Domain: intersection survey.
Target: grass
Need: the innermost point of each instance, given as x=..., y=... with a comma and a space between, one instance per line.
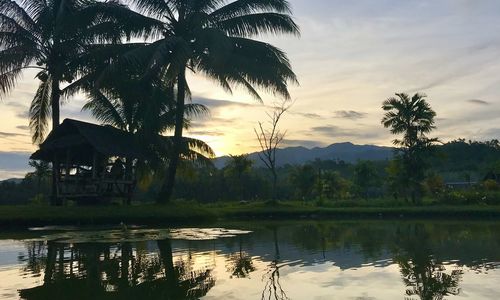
x=191, y=213
x=97, y=215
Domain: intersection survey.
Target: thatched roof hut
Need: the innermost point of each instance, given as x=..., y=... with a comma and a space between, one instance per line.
x=83, y=140
x=83, y=155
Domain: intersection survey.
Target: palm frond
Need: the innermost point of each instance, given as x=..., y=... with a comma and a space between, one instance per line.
x=244, y=7
x=259, y=24
x=104, y=110
x=39, y=111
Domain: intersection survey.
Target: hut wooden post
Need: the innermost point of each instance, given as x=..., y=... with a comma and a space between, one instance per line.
x=68, y=163
x=55, y=180
x=67, y=169
x=94, y=165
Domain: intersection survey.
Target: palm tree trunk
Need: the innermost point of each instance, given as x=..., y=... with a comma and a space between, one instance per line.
x=165, y=249
x=56, y=95
x=168, y=186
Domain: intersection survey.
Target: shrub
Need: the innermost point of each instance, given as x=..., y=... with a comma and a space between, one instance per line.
x=490, y=185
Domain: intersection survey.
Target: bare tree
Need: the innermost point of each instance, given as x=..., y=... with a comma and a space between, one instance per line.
x=270, y=138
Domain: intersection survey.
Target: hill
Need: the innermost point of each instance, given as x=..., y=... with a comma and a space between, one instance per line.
x=347, y=152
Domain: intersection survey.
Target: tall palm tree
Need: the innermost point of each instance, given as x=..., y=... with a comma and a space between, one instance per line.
x=414, y=118
x=49, y=36
x=214, y=38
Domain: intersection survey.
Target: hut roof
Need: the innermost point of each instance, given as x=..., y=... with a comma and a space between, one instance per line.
x=83, y=137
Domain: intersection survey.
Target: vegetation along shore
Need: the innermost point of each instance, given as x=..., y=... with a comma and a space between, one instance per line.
x=189, y=214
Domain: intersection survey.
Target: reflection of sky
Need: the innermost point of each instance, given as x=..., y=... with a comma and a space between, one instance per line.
x=350, y=57
x=302, y=275
x=12, y=277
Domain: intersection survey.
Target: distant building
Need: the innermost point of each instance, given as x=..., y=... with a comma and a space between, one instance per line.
x=463, y=185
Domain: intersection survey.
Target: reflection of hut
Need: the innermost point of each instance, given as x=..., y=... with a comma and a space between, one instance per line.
x=94, y=161
x=108, y=271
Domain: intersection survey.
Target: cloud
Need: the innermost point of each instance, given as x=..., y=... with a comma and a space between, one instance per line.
x=306, y=115
x=215, y=103
x=349, y=114
x=211, y=122
x=206, y=132
x=478, y=101
x=304, y=143
x=491, y=133
x=336, y=131
x=10, y=134
x=16, y=105
x=25, y=114
x=23, y=127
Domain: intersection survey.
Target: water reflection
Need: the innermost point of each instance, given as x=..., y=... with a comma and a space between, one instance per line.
x=104, y=271
x=425, y=276
x=271, y=277
x=240, y=263
x=277, y=261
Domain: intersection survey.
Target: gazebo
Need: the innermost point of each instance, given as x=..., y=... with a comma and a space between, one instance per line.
x=94, y=162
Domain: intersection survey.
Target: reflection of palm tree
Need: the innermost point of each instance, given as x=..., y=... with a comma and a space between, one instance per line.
x=273, y=288
x=427, y=279
x=194, y=285
x=105, y=271
x=241, y=263
x=423, y=275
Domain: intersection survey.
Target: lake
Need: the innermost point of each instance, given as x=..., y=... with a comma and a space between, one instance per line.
x=258, y=260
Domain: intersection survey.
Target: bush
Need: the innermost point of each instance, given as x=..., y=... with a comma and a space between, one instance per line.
x=490, y=185
x=39, y=199
x=469, y=197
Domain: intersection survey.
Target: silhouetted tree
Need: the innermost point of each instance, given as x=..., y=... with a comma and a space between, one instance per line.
x=414, y=118
x=213, y=38
x=237, y=166
x=365, y=176
x=270, y=138
x=50, y=37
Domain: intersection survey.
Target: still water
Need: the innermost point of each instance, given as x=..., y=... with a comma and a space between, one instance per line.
x=295, y=260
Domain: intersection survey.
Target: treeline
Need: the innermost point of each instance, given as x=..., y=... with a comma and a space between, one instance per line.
x=458, y=161
x=319, y=181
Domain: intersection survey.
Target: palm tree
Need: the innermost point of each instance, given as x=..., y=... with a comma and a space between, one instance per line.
x=213, y=38
x=235, y=168
x=414, y=118
x=49, y=36
x=40, y=175
x=146, y=108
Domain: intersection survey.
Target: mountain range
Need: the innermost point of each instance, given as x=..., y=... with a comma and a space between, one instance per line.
x=347, y=152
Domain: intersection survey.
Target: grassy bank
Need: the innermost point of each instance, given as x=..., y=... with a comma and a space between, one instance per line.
x=98, y=215
x=191, y=214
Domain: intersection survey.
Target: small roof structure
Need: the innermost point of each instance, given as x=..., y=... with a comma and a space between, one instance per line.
x=83, y=138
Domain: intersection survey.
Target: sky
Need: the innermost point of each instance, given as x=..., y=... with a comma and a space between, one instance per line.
x=350, y=57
